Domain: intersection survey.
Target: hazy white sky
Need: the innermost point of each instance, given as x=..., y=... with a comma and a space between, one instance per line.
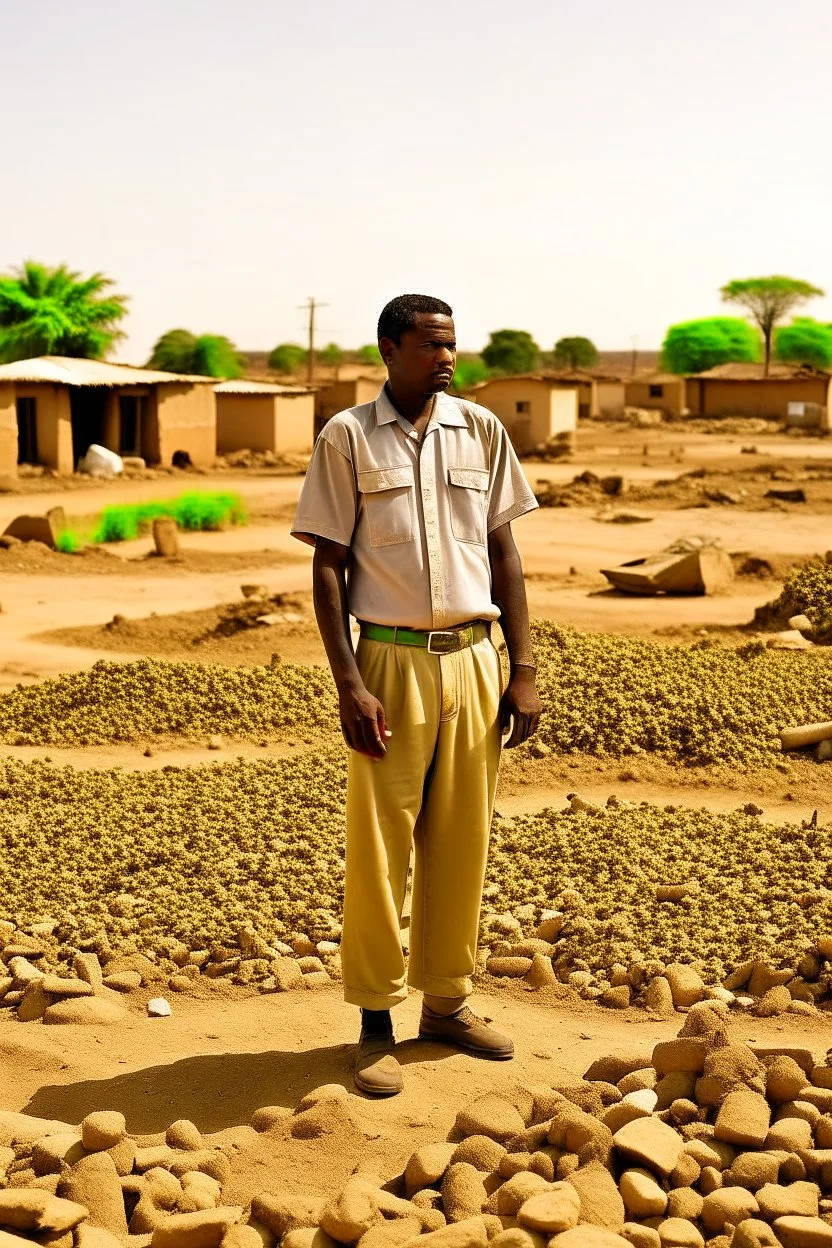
x=553, y=165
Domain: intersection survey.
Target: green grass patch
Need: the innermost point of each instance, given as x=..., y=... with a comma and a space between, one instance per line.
x=196, y=510
x=67, y=542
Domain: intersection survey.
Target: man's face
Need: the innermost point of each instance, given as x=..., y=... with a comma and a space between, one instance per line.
x=425, y=359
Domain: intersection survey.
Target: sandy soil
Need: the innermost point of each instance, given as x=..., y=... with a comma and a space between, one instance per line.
x=217, y=1060
x=226, y=1052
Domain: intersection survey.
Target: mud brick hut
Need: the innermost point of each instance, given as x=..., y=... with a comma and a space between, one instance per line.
x=744, y=390
x=657, y=392
x=53, y=408
x=258, y=416
x=340, y=395
x=533, y=409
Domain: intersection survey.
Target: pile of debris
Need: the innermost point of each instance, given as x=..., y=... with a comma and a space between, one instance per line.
x=703, y=1141
x=583, y=490
x=802, y=613
x=691, y=565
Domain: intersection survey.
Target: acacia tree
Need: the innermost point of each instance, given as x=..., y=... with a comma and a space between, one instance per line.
x=805, y=341
x=694, y=346
x=511, y=351
x=287, y=357
x=769, y=299
x=575, y=353
x=209, y=355
x=46, y=311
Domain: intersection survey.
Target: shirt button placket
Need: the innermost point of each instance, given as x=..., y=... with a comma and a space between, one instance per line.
x=431, y=515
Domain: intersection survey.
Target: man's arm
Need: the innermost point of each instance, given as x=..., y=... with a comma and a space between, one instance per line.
x=520, y=702
x=362, y=716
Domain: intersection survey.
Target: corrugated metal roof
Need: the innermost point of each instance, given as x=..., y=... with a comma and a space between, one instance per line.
x=62, y=370
x=242, y=386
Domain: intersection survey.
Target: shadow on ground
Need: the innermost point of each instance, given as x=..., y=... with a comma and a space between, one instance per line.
x=213, y=1090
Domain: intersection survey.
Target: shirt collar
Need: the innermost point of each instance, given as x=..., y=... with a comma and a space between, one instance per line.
x=446, y=412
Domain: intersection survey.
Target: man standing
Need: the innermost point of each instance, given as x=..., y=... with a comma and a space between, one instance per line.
x=409, y=502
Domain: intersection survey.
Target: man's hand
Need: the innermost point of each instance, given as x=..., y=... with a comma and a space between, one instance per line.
x=362, y=721
x=520, y=706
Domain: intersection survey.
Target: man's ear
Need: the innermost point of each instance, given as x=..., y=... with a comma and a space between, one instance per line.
x=386, y=348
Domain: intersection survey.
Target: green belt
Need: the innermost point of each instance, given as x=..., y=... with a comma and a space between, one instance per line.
x=437, y=641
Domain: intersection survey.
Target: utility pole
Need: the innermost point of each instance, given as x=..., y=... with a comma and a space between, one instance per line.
x=310, y=306
x=634, y=355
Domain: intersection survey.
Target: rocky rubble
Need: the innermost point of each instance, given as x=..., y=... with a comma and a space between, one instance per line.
x=603, y=695
x=704, y=1141
x=188, y=878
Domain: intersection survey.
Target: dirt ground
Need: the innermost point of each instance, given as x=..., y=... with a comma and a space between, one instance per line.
x=217, y=1060
x=223, y=1054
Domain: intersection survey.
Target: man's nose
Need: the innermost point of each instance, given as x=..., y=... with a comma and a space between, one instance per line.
x=446, y=355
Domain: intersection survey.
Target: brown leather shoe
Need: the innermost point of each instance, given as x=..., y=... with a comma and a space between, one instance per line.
x=466, y=1032
x=377, y=1073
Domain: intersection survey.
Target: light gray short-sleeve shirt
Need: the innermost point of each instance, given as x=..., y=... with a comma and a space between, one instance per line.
x=416, y=516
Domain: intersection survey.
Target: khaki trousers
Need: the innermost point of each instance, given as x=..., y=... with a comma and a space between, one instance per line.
x=434, y=790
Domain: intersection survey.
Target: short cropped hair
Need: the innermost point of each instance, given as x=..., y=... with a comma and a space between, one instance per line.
x=400, y=314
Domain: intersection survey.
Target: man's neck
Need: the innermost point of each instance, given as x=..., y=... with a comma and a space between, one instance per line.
x=416, y=408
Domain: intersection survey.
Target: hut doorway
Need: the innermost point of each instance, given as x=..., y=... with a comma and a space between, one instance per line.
x=87, y=408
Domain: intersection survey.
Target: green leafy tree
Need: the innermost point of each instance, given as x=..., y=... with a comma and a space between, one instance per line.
x=694, y=346
x=574, y=353
x=370, y=354
x=769, y=299
x=210, y=355
x=287, y=357
x=174, y=352
x=216, y=356
x=511, y=351
x=469, y=373
x=804, y=342
x=331, y=355
x=46, y=311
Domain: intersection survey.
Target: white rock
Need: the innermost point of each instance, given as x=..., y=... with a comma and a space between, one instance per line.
x=158, y=1007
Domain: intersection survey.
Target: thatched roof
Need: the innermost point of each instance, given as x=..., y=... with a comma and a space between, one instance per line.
x=574, y=377
x=61, y=370
x=242, y=386
x=648, y=377
x=755, y=372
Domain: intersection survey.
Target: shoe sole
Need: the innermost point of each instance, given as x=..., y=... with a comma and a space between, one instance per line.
x=370, y=1089
x=494, y=1055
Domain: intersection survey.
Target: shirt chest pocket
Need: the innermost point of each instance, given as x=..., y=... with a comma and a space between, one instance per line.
x=389, y=505
x=468, y=492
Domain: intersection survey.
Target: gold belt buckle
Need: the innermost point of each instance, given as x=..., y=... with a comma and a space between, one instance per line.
x=450, y=641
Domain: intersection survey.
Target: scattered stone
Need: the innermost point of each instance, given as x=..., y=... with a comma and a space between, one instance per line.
x=102, y=1130
x=800, y=1232
x=728, y=1205
x=88, y=1011
x=490, y=1115
x=551, y=1211
x=159, y=1007
x=643, y=1197
x=686, y=985
x=650, y=1142
x=743, y=1118
x=94, y=1183
x=203, y=1229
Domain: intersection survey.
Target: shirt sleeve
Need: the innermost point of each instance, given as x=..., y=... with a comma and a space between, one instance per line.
x=510, y=494
x=328, y=503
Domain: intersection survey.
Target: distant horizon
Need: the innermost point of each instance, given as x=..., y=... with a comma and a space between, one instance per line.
x=568, y=170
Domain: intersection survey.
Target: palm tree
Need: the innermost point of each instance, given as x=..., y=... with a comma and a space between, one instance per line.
x=56, y=311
